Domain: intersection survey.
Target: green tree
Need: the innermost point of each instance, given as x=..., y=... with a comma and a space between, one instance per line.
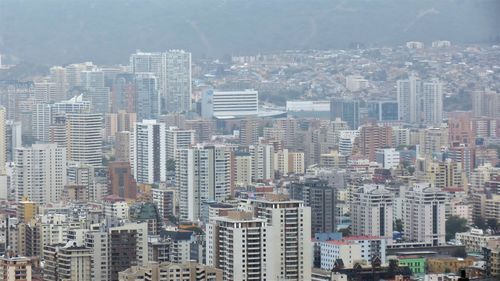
x=345, y=231
x=398, y=225
x=455, y=224
x=480, y=223
x=492, y=223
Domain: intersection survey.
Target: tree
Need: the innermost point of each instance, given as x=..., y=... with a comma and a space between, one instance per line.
x=455, y=224
x=480, y=223
x=345, y=231
x=492, y=223
x=398, y=225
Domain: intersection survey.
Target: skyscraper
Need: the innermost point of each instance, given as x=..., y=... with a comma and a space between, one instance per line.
x=203, y=173
x=177, y=81
x=40, y=173
x=84, y=138
x=149, y=152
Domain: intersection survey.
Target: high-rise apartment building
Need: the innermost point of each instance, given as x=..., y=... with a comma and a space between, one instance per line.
x=420, y=102
x=84, y=138
x=178, y=139
x=424, y=214
x=128, y=247
x=374, y=137
x=121, y=181
x=203, y=173
x=238, y=245
x=147, y=98
x=372, y=211
x=320, y=197
x=3, y=139
x=98, y=243
x=40, y=173
x=15, y=268
x=178, y=88
x=67, y=262
x=149, y=152
x=40, y=121
x=289, y=255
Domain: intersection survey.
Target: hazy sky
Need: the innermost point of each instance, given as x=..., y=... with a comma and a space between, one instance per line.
x=107, y=31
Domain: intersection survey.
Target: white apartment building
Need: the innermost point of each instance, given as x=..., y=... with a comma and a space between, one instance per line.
x=387, y=157
x=203, y=174
x=475, y=240
x=149, y=152
x=238, y=245
x=98, y=243
x=84, y=138
x=39, y=172
x=424, y=214
x=372, y=211
x=289, y=256
x=333, y=250
x=177, y=139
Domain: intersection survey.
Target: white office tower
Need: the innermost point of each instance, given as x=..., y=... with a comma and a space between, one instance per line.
x=147, y=62
x=372, y=211
x=432, y=102
x=177, y=83
x=230, y=104
x=58, y=77
x=203, y=173
x=149, y=152
x=387, y=157
x=237, y=244
x=262, y=161
x=40, y=121
x=84, y=138
x=3, y=138
x=289, y=251
x=45, y=92
x=40, y=172
x=178, y=139
x=98, y=243
x=424, y=214
x=408, y=96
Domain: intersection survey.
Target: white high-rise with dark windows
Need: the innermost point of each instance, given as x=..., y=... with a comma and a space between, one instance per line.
x=203, y=174
x=149, y=152
x=84, y=138
x=177, y=82
x=39, y=173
